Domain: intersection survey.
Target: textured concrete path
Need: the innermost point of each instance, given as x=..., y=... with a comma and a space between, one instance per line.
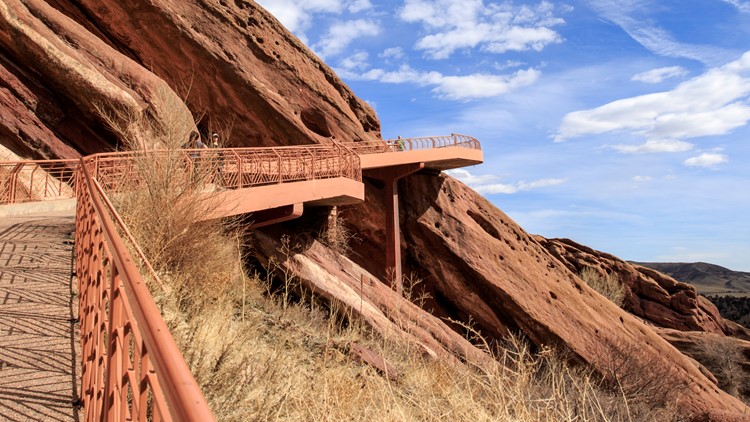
x=39, y=369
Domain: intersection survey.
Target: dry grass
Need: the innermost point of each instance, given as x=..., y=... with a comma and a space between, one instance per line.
x=262, y=356
x=608, y=286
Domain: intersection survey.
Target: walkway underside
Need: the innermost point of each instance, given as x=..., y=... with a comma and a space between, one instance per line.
x=280, y=200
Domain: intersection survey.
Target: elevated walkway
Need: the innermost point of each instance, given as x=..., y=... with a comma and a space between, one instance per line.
x=131, y=367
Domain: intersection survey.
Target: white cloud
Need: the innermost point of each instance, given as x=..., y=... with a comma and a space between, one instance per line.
x=743, y=6
x=340, y=34
x=706, y=160
x=495, y=27
x=394, y=53
x=711, y=104
x=359, y=5
x=633, y=17
x=487, y=183
x=509, y=64
x=642, y=179
x=656, y=76
x=655, y=145
x=297, y=15
x=477, y=85
x=357, y=61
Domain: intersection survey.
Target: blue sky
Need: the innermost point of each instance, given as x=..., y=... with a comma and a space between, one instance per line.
x=620, y=124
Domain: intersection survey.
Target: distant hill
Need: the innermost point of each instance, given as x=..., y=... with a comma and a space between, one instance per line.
x=708, y=279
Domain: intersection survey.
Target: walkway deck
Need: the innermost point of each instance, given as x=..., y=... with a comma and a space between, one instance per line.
x=39, y=373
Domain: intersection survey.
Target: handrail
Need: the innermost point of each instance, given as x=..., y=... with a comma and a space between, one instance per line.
x=411, y=144
x=143, y=380
x=131, y=366
x=37, y=180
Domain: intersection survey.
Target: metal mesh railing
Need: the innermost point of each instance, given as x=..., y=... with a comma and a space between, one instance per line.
x=26, y=181
x=412, y=144
x=131, y=366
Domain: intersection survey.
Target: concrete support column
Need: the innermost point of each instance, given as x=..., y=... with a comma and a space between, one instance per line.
x=390, y=176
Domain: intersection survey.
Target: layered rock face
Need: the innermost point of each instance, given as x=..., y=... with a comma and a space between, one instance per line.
x=252, y=81
x=480, y=266
x=651, y=295
x=238, y=70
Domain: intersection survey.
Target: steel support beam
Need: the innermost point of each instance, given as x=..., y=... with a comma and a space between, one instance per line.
x=390, y=176
x=275, y=215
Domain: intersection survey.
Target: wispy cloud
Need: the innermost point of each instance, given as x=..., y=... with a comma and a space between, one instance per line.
x=743, y=6
x=494, y=27
x=633, y=16
x=711, y=104
x=341, y=34
x=464, y=87
x=297, y=16
x=656, y=76
x=706, y=160
x=488, y=184
x=654, y=145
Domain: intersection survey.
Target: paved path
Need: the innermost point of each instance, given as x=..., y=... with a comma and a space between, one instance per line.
x=39, y=369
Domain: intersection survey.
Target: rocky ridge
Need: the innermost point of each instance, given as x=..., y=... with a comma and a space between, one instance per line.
x=239, y=70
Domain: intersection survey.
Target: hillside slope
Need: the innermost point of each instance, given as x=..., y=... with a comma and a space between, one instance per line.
x=708, y=279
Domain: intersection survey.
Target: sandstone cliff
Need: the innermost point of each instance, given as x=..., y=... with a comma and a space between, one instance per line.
x=245, y=76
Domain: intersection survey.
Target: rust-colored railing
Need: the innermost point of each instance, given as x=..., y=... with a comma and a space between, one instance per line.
x=131, y=366
x=233, y=168
x=25, y=181
x=411, y=144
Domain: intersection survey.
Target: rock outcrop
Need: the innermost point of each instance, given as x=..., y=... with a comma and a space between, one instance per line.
x=651, y=295
x=58, y=80
x=480, y=266
x=238, y=68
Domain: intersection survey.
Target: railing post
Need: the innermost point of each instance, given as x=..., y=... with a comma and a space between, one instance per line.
x=240, y=168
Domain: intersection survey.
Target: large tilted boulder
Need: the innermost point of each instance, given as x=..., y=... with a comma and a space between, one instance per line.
x=480, y=266
x=237, y=67
x=59, y=81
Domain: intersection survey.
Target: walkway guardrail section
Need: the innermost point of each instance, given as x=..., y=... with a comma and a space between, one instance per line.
x=131, y=366
x=26, y=181
x=412, y=144
x=234, y=168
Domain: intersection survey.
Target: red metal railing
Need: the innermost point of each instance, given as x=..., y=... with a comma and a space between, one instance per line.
x=411, y=144
x=233, y=168
x=25, y=181
x=132, y=368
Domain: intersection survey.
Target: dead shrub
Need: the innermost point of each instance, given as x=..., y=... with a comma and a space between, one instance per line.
x=647, y=382
x=336, y=234
x=608, y=286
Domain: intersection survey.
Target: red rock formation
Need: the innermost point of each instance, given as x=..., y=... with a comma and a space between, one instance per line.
x=727, y=358
x=651, y=295
x=237, y=66
x=481, y=266
x=57, y=77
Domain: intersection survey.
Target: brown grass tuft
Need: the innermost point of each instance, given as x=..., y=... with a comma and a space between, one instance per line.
x=608, y=286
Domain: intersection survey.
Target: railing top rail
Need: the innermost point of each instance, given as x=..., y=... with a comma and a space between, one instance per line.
x=184, y=397
x=413, y=143
x=38, y=162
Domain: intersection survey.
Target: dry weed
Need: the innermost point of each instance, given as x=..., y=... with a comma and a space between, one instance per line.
x=608, y=286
